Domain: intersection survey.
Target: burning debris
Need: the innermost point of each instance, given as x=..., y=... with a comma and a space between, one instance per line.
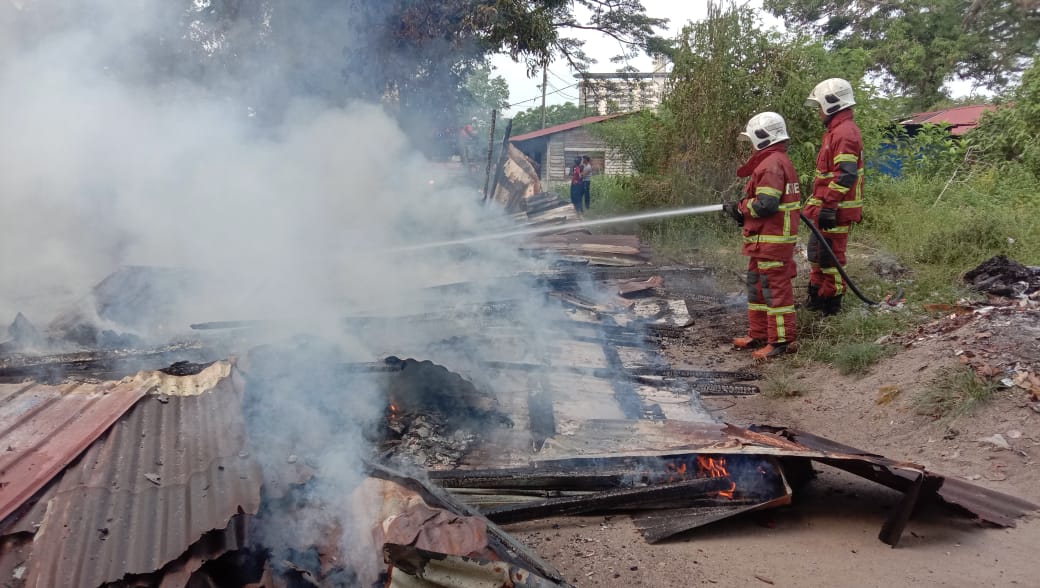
x=301, y=464
x=1001, y=276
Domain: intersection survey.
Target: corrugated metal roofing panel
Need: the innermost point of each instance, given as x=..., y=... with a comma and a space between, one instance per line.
x=564, y=127
x=173, y=469
x=962, y=118
x=44, y=428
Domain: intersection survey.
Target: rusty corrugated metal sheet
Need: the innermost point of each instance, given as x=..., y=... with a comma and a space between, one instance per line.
x=564, y=127
x=961, y=118
x=174, y=468
x=44, y=428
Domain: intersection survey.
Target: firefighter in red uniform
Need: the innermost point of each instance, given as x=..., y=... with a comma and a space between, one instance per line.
x=769, y=214
x=836, y=202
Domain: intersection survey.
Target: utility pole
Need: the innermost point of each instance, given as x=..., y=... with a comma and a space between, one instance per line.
x=545, y=84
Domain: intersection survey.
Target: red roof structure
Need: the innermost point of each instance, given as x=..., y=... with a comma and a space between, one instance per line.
x=588, y=120
x=961, y=119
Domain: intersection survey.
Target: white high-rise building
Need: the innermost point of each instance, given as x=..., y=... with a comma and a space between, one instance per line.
x=609, y=93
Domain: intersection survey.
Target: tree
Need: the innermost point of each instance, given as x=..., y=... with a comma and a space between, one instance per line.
x=727, y=69
x=1009, y=134
x=918, y=45
x=484, y=93
x=420, y=52
x=555, y=114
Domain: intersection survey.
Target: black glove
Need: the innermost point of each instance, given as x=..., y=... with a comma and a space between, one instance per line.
x=828, y=218
x=733, y=211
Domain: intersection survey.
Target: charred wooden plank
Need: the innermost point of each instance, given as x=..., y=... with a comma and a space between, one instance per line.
x=535, y=478
x=610, y=499
x=667, y=372
x=710, y=388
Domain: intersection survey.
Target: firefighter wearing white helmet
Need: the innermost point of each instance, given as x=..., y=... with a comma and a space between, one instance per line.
x=769, y=214
x=831, y=96
x=765, y=129
x=836, y=201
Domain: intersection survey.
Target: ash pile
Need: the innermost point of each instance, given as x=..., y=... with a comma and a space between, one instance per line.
x=220, y=458
x=1001, y=276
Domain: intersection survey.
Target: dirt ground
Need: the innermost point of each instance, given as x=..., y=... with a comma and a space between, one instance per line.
x=829, y=536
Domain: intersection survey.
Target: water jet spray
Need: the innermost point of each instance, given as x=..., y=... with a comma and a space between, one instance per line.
x=690, y=210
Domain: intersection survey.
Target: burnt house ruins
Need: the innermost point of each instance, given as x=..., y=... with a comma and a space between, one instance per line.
x=251, y=453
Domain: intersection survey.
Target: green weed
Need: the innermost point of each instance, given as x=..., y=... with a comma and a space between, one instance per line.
x=779, y=383
x=957, y=392
x=856, y=358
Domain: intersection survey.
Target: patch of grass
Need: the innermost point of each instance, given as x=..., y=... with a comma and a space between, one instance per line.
x=957, y=392
x=856, y=358
x=849, y=340
x=779, y=383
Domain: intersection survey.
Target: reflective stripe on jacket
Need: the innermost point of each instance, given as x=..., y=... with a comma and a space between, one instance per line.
x=842, y=143
x=770, y=205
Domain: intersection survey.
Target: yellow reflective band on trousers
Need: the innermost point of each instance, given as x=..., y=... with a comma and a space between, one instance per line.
x=839, y=286
x=770, y=264
x=758, y=307
x=781, y=310
x=771, y=239
x=840, y=230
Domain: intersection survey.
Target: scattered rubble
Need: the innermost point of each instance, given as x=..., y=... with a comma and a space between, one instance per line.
x=1001, y=276
x=176, y=492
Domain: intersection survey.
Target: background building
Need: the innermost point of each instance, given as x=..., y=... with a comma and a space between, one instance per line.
x=554, y=148
x=608, y=93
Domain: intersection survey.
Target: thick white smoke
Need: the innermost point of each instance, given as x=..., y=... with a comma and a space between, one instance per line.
x=106, y=161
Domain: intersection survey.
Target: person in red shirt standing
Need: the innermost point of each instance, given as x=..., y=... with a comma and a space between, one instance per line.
x=837, y=198
x=577, y=191
x=769, y=214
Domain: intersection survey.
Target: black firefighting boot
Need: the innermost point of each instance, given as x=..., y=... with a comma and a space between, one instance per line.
x=814, y=302
x=832, y=305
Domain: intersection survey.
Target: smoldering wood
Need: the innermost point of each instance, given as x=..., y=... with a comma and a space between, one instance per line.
x=537, y=478
x=667, y=372
x=500, y=541
x=100, y=365
x=710, y=388
x=632, y=498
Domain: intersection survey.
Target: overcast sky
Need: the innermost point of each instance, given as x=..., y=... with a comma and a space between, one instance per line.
x=599, y=46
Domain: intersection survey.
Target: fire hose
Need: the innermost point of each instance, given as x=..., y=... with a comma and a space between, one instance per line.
x=841, y=270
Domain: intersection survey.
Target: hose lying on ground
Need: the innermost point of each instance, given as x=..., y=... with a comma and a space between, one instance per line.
x=852, y=285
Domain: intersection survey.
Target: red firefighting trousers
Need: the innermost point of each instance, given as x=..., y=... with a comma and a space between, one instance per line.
x=824, y=273
x=771, y=314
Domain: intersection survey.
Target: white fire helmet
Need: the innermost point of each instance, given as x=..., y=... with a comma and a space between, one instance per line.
x=765, y=129
x=831, y=95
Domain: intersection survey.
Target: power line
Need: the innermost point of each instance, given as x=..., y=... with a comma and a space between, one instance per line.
x=539, y=97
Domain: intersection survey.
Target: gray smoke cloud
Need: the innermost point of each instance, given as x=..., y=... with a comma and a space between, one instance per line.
x=110, y=157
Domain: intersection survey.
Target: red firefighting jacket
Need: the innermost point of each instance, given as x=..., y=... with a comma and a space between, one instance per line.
x=835, y=185
x=770, y=205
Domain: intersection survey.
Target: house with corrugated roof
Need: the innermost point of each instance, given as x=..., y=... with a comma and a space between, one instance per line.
x=960, y=119
x=554, y=148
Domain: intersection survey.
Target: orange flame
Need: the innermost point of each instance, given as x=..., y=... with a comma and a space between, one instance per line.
x=716, y=468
